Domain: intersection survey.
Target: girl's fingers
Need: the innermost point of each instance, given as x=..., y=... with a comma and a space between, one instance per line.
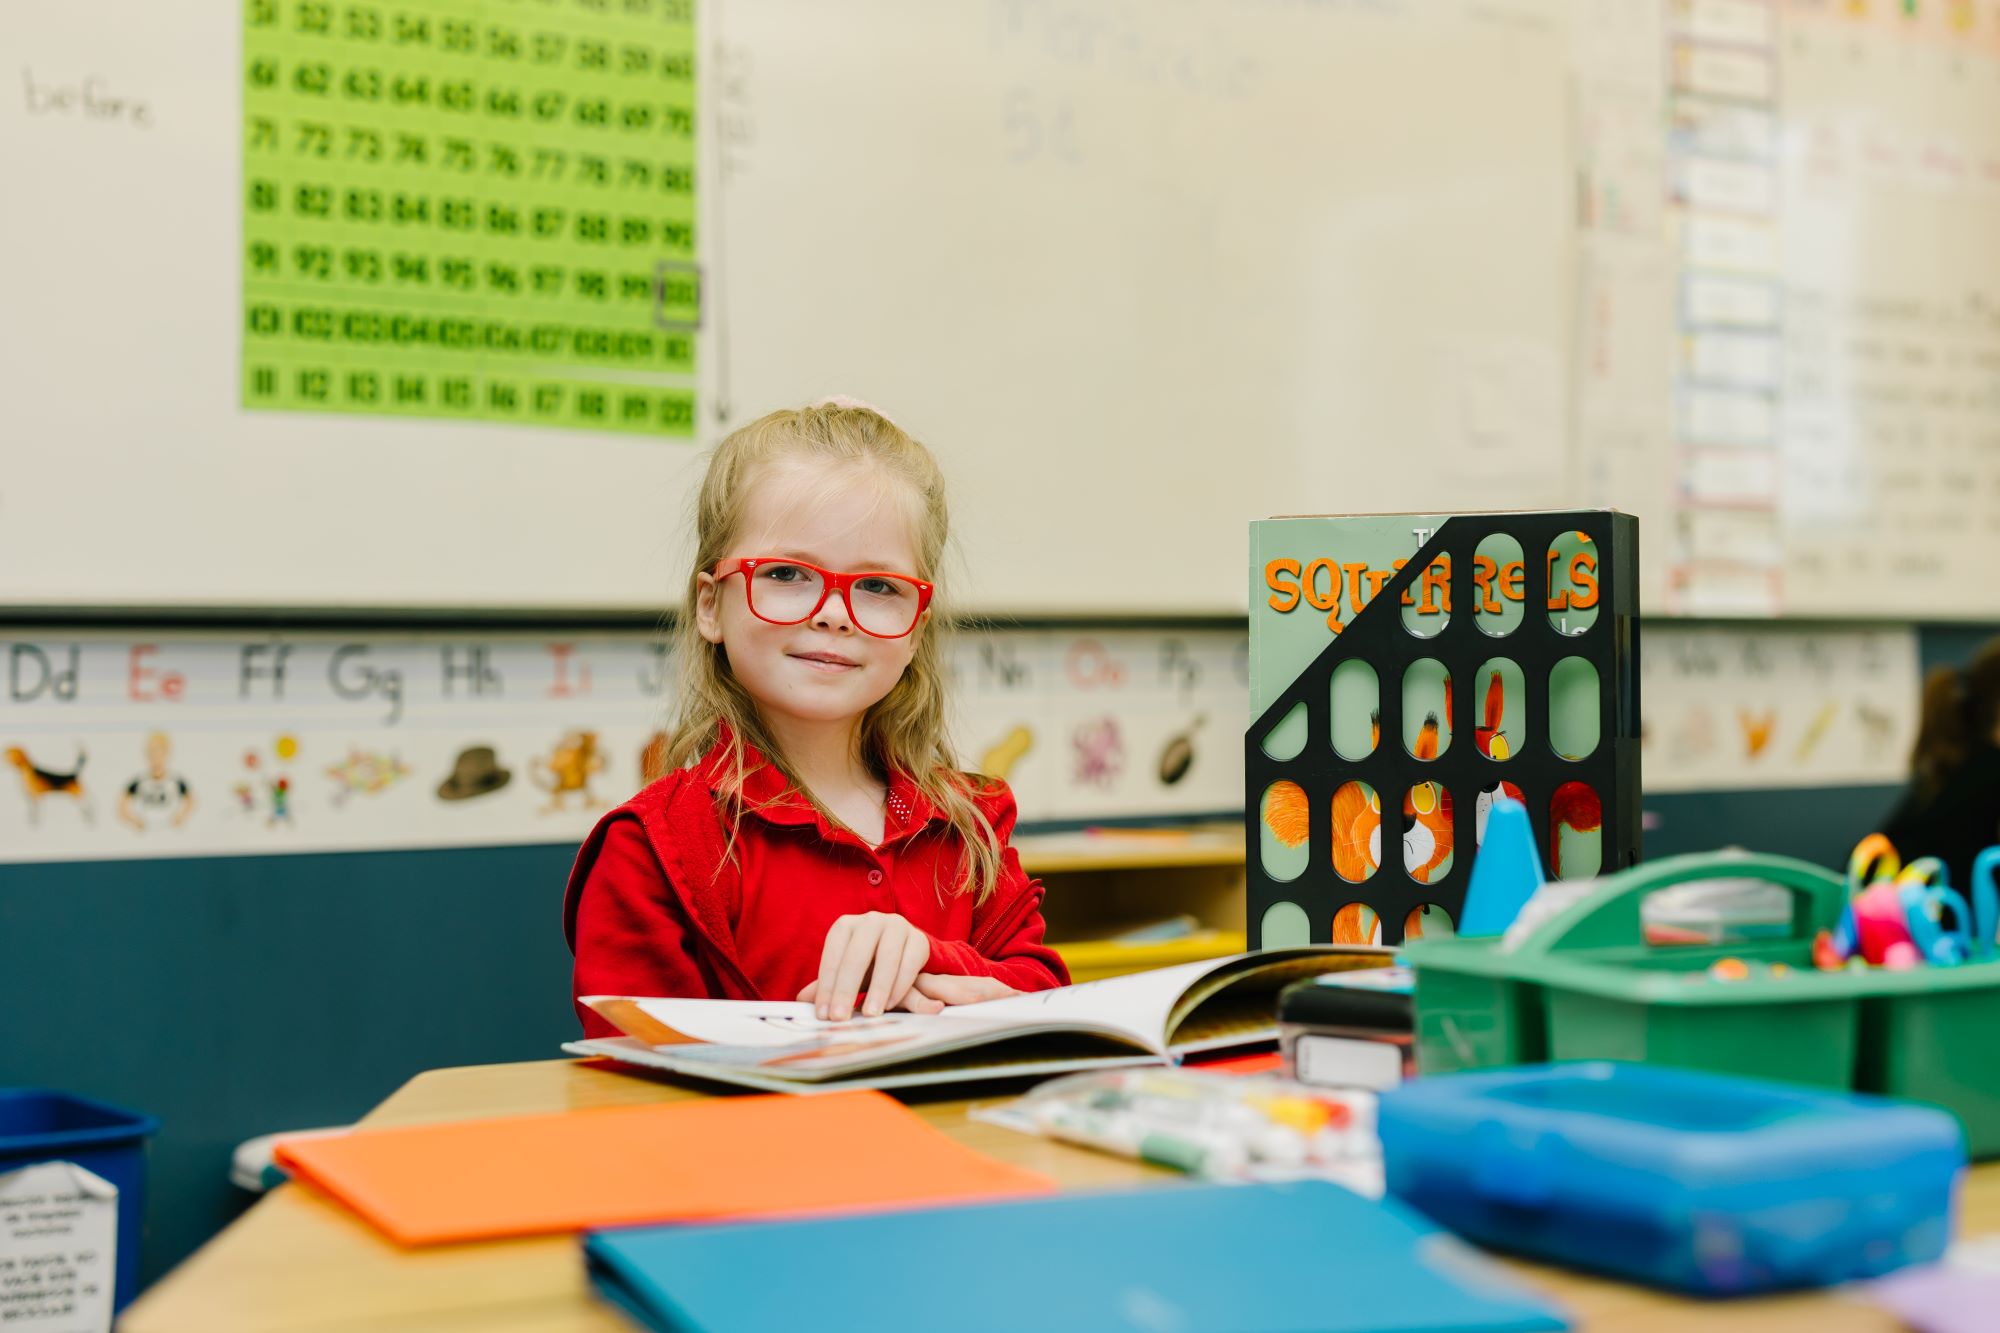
x=858, y=953
x=916, y=952
x=829, y=960
x=882, y=972
x=805, y=996
x=898, y=959
x=962, y=990
x=919, y=1003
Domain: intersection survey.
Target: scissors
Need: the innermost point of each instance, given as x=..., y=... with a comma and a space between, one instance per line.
x=1874, y=859
x=1927, y=899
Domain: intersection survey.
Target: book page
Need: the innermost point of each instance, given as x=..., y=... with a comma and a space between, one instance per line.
x=1136, y=1004
x=787, y=1023
x=1142, y=1007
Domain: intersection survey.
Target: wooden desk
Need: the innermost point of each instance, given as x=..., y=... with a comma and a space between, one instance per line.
x=298, y=1262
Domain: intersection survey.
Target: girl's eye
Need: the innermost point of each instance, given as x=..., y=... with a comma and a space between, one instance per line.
x=882, y=587
x=782, y=573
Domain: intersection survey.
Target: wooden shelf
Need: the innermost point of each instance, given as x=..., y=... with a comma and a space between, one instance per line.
x=1131, y=849
x=1088, y=960
x=1103, y=883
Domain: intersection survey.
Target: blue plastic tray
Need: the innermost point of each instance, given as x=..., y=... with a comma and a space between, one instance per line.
x=1694, y=1181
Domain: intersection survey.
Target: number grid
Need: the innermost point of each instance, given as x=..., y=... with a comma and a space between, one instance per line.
x=474, y=209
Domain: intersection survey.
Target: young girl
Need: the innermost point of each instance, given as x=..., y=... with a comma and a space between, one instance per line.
x=814, y=841
x=1952, y=808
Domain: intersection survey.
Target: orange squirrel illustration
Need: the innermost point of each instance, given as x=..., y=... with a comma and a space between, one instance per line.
x=1427, y=832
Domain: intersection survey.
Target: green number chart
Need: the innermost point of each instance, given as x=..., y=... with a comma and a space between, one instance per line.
x=474, y=209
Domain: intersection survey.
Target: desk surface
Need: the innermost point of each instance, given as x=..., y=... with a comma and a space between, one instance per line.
x=296, y=1261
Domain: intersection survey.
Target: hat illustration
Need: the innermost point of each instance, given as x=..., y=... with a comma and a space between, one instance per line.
x=475, y=773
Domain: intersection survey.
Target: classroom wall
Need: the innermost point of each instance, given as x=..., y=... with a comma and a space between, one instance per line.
x=236, y=996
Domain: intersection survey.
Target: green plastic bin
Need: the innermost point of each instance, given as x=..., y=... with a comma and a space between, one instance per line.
x=1584, y=984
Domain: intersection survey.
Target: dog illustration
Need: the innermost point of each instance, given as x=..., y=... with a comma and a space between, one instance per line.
x=41, y=783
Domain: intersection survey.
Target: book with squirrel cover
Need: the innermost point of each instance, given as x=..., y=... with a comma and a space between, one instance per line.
x=1531, y=690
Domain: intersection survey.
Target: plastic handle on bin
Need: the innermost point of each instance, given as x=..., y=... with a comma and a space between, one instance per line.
x=1985, y=888
x=1926, y=907
x=1873, y=858
x=1610, y=917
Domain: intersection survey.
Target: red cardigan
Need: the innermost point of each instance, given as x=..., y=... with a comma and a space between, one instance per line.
x=655, y=908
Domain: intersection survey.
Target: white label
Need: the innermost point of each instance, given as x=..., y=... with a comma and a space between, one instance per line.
x=1344, y=1062
x=1732, y=187
x=1733, y=536
x=1723, y=129
x=1733, y=302
x=1724, y=243
x=1715, y=416
x=58, y=1249
x=1722, y=72
x=1744, y=22
x=1732, y=476
x=1741, y=360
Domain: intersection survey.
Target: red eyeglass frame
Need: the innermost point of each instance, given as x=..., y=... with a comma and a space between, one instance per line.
x=830, y=583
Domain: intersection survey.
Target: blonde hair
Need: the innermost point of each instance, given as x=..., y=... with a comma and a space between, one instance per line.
x=905, y=731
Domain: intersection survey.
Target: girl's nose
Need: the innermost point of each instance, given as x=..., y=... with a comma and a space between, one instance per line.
x=833, y=614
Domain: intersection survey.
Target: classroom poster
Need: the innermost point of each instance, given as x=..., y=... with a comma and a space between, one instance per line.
x=1803, y=706
x=1790, y=307
x=1097, y=723
x=188, y=743
x=480, y=212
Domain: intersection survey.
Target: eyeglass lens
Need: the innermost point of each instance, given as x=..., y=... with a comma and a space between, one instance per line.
x=880, y=604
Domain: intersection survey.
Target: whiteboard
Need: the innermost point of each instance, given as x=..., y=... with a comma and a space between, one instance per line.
x=1139, y=273
x=1891, y=408
x=1789, y=359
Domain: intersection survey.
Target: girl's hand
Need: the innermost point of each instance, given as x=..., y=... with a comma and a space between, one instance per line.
x=880, y=947
x=936, y=990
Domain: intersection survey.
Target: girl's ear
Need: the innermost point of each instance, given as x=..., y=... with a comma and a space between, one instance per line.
x=707, y=615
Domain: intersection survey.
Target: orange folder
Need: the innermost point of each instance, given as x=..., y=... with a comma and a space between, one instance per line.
x=689, y=1161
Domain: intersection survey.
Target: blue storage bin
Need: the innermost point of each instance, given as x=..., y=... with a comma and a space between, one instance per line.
x=42, y=1126
x=1699, y=1182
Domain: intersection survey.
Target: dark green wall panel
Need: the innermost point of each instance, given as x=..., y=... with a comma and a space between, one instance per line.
x=235, y=996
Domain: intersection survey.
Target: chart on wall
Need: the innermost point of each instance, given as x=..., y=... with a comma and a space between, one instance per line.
x=351, y=303
x=1891, y=395
x=452, y=209
x=1790, y=345
x=1790, y=706
x=184, y=744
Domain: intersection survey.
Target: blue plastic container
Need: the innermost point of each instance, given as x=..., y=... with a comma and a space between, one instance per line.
x=1699, y=1182
x=40, y=1126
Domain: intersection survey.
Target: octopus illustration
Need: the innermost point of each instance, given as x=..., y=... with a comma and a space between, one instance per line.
x=1100, y=752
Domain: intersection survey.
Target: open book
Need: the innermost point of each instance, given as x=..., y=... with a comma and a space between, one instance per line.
x=1144, y=1018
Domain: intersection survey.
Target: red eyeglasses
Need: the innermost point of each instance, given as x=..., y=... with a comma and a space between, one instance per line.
x=785, y=592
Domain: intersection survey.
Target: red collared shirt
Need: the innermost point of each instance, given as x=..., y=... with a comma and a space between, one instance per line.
x=648, y=918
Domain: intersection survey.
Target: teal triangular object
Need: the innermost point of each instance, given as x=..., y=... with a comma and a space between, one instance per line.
x=1505, y=873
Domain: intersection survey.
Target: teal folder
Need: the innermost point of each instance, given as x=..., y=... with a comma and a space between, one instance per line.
x=1284, y=1258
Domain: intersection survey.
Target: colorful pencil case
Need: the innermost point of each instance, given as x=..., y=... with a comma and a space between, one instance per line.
x=1699, y=1182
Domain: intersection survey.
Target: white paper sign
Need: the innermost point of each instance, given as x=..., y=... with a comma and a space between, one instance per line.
x=58, y=1249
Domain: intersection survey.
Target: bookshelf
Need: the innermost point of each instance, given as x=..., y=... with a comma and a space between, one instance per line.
x=1103, y=883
